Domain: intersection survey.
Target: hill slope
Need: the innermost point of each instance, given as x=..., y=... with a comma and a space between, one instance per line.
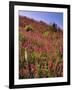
x=43, y=44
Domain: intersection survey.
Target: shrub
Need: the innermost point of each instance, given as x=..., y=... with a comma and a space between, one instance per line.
x=29, y=28
x=22, y=38
x=45, y=33
x=53, y=27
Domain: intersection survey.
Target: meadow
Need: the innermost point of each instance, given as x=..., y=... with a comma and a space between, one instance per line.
x=40, y=49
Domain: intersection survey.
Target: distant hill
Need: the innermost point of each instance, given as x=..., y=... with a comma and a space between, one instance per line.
x=37, y=25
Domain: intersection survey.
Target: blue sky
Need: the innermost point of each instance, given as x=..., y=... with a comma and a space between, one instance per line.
x=48, y=17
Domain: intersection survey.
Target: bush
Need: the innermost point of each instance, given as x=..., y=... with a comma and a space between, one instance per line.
x=29, y=28
x=53, y=27
x=45, y=34
x=22, y=38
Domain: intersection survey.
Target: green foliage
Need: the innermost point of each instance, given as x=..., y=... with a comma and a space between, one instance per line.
x=31, y=57
x=44, y=55
x=45, y=33
x=22, y=38
x=29, y=28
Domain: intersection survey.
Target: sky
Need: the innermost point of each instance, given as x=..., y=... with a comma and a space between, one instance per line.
x=48, y=17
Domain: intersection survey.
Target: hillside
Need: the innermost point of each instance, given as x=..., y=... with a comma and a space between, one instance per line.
x=43, y=44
